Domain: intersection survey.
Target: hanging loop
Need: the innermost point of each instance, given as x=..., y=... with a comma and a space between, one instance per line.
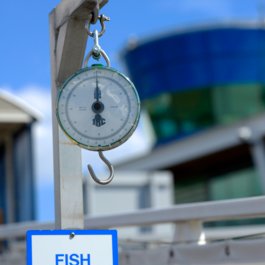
x=102, y=19
x=110, y=167
x=96, y=51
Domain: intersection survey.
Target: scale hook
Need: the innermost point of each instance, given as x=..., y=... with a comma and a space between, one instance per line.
x=109, y=165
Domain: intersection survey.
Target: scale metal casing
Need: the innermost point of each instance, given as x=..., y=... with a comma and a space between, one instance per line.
x=98, y=108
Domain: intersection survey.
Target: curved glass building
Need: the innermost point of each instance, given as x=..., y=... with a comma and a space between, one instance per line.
x=204, y=91
x=194, y=79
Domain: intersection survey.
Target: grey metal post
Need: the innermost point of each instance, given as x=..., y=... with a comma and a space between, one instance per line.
x=67, y=45
x=258, y=156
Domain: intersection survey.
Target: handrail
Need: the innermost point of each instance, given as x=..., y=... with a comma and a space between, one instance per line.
x=204, y=211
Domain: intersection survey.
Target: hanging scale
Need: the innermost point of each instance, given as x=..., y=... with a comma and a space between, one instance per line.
x=98, y=107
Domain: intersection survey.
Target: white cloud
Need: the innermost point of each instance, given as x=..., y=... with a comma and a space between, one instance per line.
x=40, y=99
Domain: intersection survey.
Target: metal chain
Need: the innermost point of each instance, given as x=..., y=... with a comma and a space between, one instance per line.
x=96, y=51
x=102, y=19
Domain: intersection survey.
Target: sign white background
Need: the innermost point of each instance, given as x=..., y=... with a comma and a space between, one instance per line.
x=45, y=248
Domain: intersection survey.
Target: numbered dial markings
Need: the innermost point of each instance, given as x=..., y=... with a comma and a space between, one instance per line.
x=98, y=108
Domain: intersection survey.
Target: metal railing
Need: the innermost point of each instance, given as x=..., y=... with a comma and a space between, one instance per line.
x=188, y=218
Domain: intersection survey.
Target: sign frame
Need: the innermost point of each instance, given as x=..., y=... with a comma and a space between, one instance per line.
x=71, y=234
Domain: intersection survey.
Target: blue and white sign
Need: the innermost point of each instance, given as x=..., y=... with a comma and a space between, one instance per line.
x=72, y=247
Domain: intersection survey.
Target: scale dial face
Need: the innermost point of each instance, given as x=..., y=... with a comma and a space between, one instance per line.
x=98, y=108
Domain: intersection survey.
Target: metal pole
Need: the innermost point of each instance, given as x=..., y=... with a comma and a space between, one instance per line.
x=67, y=157
x=68, y=39
x=258, y=156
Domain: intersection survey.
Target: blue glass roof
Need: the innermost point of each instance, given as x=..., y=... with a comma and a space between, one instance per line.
x=195, y=59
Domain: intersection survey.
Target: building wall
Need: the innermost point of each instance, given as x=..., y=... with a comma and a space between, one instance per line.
x=130, y=192
x=17, y=196
x=2, y=184
x=23, y=175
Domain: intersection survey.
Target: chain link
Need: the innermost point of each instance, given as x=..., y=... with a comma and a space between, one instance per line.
x=96, y=51
x=102, y=19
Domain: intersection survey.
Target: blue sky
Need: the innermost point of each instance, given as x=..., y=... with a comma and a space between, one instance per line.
x=25, y=61
x=24, y=46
